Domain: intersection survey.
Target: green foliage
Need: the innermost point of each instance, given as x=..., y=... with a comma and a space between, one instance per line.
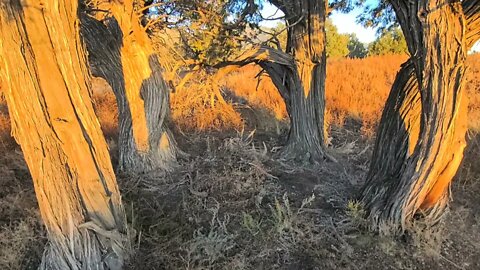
x=337, y=44
x=215, y=31
x=282, y=215
x=377, y=13
x=210, y=31
x=356, y=48
x=281, y=35
x=284, y=219
x=251, y=224
x=207, y=36
x=390, y=42
x=356, y=213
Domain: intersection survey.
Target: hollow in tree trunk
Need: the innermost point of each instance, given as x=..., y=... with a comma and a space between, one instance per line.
x=121, y=52
x=421, y=140
x=43, y=69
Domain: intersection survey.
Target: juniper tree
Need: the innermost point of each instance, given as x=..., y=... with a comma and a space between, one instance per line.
x=44, y=72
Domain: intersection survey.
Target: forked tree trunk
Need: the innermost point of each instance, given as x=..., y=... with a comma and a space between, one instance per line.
x=42, y=66
x=299, y=75
x=121, y=52
x=409, y=176
x=306, y=94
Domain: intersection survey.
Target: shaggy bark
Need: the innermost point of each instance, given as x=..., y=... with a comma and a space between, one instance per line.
x=408, y=175
x=120, y=52
x=306, y=42
x=299, y=75
x=43, y=69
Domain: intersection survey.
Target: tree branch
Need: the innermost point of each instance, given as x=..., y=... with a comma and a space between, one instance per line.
x=261, y=54
x=280, y=66
x=471, y=9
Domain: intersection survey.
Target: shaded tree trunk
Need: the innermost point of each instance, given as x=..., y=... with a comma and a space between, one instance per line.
x=421, y=140
x=120, y=51
x=306, y=41
x=43, y=69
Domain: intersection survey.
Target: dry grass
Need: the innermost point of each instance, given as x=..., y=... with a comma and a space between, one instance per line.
x=5, y=137
x=225, y=207
x=17, y=242
x=193, y=219
x=358, y=88
x=194, y=107
x=228, y=209
x=355, y=89
x=199, y=106
x=105, y=107
x=259, y=93
x=21, y=236
x=473, y=92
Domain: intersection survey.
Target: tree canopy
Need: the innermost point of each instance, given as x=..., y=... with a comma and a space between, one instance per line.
x=356, y=48
x=377, y=13
x=389, y=42
x=337, y=44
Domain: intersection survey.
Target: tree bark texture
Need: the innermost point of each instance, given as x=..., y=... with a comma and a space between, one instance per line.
x=299, y=75
x=421, y=137
x=306, y=95
x=121, y=52
x=42, y=66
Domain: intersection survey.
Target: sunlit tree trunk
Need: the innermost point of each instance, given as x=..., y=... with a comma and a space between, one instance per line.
x=42, y=67
x=421, y=140
x=121, y=52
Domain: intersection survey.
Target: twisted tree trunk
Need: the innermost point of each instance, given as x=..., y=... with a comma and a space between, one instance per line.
x=43, y=69
x=306, y=92
x=299, y=75
x=420, y=141
x=121, y=52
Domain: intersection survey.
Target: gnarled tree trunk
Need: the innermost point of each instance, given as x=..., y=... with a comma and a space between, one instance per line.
x=121, y=52
x=421, y=140
x=306, y=93
x=299, y=75
x=43, y=69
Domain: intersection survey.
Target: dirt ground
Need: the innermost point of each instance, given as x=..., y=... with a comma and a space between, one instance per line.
x=230, y=204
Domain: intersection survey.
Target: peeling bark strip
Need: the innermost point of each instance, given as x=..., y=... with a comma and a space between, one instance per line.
x=120, y=51
x=299, y=75
x=53, y=120
x=409, y=175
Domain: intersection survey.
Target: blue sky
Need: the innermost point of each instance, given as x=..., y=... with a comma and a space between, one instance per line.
x=345, y=23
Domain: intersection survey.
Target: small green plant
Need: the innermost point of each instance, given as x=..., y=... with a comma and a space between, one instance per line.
x=210, y=245
x=251, y=224
x=285, y=220
x=282, y=215
x=356, y=213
